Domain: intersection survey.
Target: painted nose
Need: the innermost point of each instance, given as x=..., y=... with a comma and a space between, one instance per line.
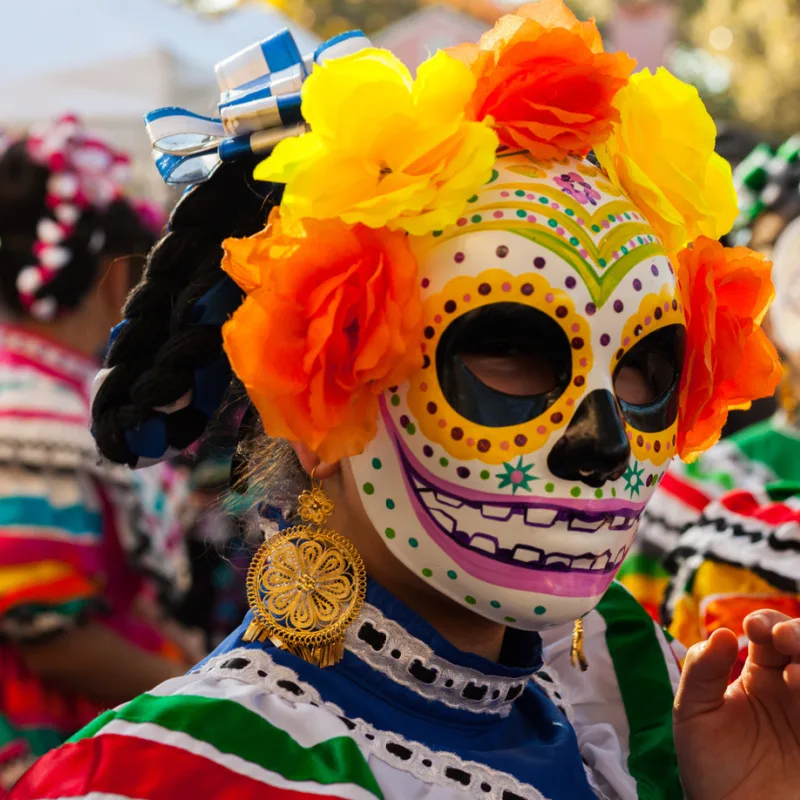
x=594, y=448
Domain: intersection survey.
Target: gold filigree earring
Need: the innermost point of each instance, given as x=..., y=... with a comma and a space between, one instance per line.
x=306, y=585
x=577, y=655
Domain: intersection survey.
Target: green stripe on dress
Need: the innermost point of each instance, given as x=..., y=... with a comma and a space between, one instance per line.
x=233, y=729
x=647, y=695
x=40, y=512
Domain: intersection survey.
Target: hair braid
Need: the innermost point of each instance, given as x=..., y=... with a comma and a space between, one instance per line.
x=154, y=357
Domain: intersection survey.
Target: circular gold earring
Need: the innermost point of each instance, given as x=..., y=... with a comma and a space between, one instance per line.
x=306, y=585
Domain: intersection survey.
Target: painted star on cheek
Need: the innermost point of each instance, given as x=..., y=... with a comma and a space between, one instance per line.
x=516, y=476
x=633, y=479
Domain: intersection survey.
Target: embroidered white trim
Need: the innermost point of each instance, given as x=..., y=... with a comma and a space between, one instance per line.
x=400, y=653
x=558, y=695
x=257, y=668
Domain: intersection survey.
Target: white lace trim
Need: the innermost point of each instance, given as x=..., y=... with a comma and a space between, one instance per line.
x=400, y=655
x=558, y=694
x=257, y=668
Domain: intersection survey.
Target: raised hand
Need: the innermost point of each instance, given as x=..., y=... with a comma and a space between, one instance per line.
x=742, y=742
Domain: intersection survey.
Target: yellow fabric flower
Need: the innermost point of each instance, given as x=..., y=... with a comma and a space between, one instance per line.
x=662, y=155
x=384, y=150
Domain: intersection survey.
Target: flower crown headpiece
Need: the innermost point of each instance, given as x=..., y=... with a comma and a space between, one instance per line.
x=85, y=173
x=332, y=313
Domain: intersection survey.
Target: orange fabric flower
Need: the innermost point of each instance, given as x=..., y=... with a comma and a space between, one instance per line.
x=544, y=79
x=729, y=360
x=332, y=317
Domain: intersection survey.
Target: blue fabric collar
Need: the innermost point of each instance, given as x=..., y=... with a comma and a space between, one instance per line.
x=392, y=687
x=393, y=652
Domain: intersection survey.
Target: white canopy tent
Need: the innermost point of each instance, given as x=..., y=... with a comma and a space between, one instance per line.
x=110, y=61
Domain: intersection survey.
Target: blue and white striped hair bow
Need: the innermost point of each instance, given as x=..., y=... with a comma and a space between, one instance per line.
x=259, y=106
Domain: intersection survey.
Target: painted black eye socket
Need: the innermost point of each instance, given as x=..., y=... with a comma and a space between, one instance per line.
x=647, y=379
x=503, y=364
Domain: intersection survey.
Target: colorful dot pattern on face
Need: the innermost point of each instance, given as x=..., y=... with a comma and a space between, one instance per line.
x=539, y=610
x=586, y=214
x=494, y=604
x=368, y=488
x=413, y=542
x=471, y=600
x=376, y=463
x=452, y=574
x=427, y=572
x=390, y=533
x=390, y=504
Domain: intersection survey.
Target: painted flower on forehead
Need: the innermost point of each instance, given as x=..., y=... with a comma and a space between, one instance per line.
x=331, y=319
x=544, y=80
x=729, y=360
x=662, y=155
x=384, y=150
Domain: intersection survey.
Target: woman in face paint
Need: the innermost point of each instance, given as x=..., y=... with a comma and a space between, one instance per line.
x=488, y=403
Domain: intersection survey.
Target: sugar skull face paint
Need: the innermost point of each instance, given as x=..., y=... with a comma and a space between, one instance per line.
x=511, y=471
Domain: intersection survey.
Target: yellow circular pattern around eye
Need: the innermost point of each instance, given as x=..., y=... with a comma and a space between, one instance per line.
x=656, y=311
x=439, y=422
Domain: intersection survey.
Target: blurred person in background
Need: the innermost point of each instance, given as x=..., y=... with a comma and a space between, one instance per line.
x=720, y=537
x=87, y=550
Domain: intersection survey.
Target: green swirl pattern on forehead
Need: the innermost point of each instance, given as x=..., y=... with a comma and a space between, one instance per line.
x=602, y=243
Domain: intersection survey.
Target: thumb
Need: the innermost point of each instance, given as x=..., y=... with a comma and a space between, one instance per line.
x=705, y=677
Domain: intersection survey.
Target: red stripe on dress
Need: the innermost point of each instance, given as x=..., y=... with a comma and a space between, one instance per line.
x=32, y=545
x=63, y=590
x=45, y=416
x=141, y=769
x=21, y=360
x=746, y=504
x=686, y=492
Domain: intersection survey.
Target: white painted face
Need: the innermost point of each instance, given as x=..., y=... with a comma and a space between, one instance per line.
x=512, y=470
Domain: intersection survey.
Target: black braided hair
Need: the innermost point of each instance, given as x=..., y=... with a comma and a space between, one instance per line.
x=156, y=352
x=23, y=193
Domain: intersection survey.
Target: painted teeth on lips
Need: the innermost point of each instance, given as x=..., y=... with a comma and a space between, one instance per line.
x=438, y=502
x=526, y=555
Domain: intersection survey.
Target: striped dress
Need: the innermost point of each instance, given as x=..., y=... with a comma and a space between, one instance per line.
x=765, y=454
x=77, y=540
x=741, y=555
x=404, y=716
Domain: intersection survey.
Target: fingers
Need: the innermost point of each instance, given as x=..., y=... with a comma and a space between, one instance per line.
x=786, y=637
x=792, y=677
x=774, y=639
x=706, y=672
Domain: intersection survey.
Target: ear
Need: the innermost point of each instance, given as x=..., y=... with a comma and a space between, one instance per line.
x=115, y=285
x=311, y=461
